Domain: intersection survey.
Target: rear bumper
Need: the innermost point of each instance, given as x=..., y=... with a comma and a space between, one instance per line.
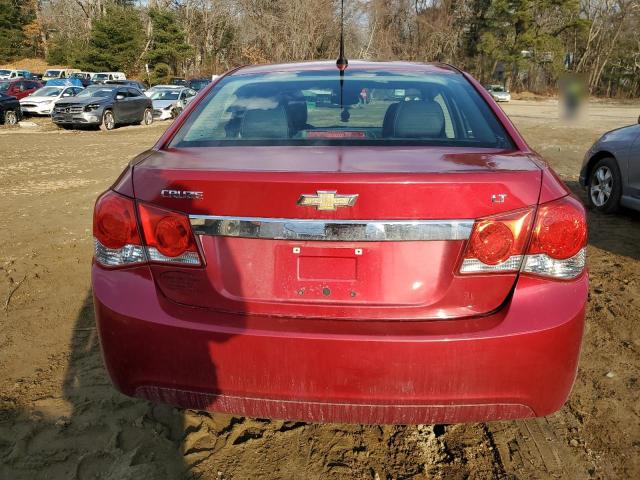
x=518, y=362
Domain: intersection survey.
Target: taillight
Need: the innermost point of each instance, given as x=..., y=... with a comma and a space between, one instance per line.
x=168, y=236
x=497, y=243
x=558, y=240
x=115, y=231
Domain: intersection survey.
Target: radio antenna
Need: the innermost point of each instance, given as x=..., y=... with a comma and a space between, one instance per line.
x=342, y=61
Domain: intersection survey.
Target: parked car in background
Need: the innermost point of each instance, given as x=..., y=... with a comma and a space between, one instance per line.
x=10, y=111
x=130, y=83
x=610, y=171
x=155, y=88
x=19, y=87
x=178, y=81
x=64, y=82
x=102, y=77
x=169, y=102
x=42, y=101
x=198, y=84
x=104, y=105
x=53, y=73
x=9, y=74
x=83, y=77
x=499, y=93
x=417, y=264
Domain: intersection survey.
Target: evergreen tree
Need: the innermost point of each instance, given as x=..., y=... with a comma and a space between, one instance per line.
x=168, y=45
x=116, y=42
x=13, y=18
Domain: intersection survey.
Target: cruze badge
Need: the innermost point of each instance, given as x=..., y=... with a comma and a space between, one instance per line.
x=327, y=200
x=182, y=194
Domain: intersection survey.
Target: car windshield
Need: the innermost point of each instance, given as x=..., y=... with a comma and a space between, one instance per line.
x=52, y=73
x=4, y=86
x=47, y=92
x=101, y=76
x=497, y=88
x=96, y=92
x=165, y=95
x=5, y=72
x=365, y=107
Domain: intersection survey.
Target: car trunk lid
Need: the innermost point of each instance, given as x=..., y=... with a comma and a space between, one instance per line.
x=394, y=253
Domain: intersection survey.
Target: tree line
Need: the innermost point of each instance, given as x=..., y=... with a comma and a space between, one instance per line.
x=523, y=44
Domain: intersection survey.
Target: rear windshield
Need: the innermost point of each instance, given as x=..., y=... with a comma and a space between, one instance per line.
x=361, y=108
x=52, y=73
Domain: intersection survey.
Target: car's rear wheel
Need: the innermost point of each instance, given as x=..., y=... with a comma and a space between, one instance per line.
x=147, y=117
x=10, y=117
x=605, y=186
x=108, y=120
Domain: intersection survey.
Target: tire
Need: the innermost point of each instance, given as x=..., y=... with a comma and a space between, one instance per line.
x=174, y=113
x=605, y=186
x=108, y=121
x=10, y=117
x=147, y=117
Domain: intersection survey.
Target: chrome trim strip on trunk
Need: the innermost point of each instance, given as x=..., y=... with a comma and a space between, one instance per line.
x=331, y=230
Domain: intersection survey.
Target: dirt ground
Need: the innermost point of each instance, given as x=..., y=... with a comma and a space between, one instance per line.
x=61, y=419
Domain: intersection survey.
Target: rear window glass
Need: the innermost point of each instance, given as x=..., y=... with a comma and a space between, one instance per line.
x=363, y=107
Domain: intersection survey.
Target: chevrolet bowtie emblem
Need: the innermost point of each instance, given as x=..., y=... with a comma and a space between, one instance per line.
x=327, y=200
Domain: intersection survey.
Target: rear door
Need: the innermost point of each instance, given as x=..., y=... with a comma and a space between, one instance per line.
x=138, y=102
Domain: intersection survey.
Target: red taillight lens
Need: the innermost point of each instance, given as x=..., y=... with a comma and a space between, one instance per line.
x=497, y=243
x=114, y=221
x=560, y=230
x=169, y=233
x=492, y=242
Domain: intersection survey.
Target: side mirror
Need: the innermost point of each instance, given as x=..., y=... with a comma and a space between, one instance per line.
x=120, y=97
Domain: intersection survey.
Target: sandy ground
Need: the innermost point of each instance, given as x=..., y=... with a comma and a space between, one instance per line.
x=61, y=419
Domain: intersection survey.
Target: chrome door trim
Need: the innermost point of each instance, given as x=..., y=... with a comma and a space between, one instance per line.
x=331, y=230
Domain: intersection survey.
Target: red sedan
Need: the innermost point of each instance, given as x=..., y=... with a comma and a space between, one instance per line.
x=19, y=87
x=286, y=250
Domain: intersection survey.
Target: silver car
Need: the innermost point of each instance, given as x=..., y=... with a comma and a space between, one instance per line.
x=499, y=93
x=611, y=170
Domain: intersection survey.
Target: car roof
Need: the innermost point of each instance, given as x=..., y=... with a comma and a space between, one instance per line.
x=325, y=65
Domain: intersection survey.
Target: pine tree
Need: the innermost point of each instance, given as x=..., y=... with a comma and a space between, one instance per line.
x=168, y=46
x=13, y=18
x=116, y=42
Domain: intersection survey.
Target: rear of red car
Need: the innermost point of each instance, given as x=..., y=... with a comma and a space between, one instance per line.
x=294, y=248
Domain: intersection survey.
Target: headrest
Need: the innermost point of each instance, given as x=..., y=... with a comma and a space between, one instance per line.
x=265, y=123
x=297, y=112
x=389, y=120
x=418, y=119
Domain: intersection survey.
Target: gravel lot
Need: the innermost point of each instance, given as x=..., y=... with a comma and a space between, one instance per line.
x=60, y=418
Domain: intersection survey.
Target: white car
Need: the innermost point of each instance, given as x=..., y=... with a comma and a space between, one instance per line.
x=41, y=101
x=102, y=77
x=169, y=102
x=9, y=74
x=499, y=93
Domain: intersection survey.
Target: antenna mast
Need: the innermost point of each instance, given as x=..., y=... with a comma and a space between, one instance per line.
x=342, y=62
